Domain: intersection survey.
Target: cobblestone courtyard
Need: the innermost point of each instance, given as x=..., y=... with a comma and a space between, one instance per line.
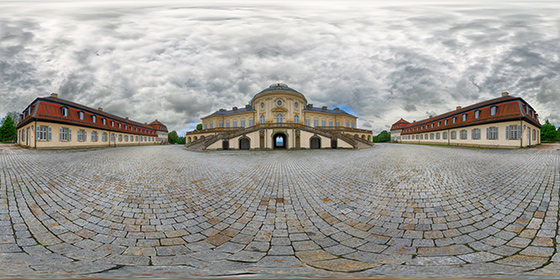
x=393, y=210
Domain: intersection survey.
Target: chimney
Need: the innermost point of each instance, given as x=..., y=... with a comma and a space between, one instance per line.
x=336, y=109
x=55, y=95
x=221, y=110
x=324, y=107
x=505, y=93
x=431, y=116
x=310, y=105
x=126, y=118
x=100, y=109
x=234, y=108
x=247, y=106
x=458, y=107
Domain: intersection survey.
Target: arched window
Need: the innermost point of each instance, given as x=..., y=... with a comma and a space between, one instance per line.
x=279, y=118
x=296, y=119
x=262, y=119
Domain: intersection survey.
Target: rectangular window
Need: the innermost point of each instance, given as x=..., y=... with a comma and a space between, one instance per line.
x=438, y=124
x=43, y=133
x=453, y=134
x=227, y=124
x=477, y=114
x=454, y=119
x=94, y=136
x=444, y=135
x=463, y=134
x=330, y=123
x=337, y=124
x=64, y=134
x=534, y=134
x=221, y=125
x=492, y=133
x=347, y=124
x=120, y=137
x=234, y=123
x=464, y=117
x=315, y=123
x=352, y=124
x=475, y=134
x=243, y=123
x=81, y=114
x=251, y=122
x=104, y=136
x=431, y=136
x=65, y=112
x=493, y=110
x=421, y=136
x=513, y=132
x=307, y=122
x=112, y=123
x=82, y=135
x=93, y=119
x=437, y=136
x=417, y=137
x=205, y=126
x=126, y=138
x=445, y=122
x=120, y=125
x=323, y=123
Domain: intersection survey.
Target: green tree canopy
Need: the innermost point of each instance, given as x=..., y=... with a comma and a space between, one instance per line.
x=172, y=137
x=548, y=132
x=384, y=136
x=199, y=126
x=8, y=130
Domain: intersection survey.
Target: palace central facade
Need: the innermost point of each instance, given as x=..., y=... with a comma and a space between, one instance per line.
x=279, y=117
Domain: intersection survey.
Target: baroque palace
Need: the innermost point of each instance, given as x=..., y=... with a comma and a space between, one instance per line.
x=501, y=122
x=279, y=117
x=51, y=122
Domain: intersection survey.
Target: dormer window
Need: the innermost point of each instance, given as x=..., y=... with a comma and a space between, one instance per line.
x=104, y=121
x=454, y=119
x=81, y=114
x=464, y=117
x=126, y=126
x=113, y=123
x=432, y=125
x=477, y=114
x=445, y=122
x=493, y=110
x=438, y=124
x=64, y=112
x=93, y=119
x=120, y=125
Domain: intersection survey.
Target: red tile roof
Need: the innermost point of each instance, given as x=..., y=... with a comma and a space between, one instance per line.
x=50, y=109
x=399, y=124
x=507, y=108
x=158, y=126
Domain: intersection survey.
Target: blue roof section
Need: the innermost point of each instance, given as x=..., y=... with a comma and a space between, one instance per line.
x=327, y=111
x=231, y=112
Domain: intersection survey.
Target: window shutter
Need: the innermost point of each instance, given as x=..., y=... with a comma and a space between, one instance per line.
x=487, y=135
x=519, y=133
x=37, y=132
x=60, y=134
x=50, y=133
x=69, y=134
x=85, y=135
x=507, y=132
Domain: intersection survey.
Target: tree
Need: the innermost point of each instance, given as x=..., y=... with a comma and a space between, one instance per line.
x=548, y=132
x=181, y=140
x=384, y=136
x=8, y=130
x=172, y=137
x=199, y=126
x=15, y=117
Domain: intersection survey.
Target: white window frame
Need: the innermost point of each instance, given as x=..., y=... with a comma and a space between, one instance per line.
x=64, y=134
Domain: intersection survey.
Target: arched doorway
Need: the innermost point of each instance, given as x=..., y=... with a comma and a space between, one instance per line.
x=190, y=139
x=280, y=141
x=244, y=143
x=315, y=142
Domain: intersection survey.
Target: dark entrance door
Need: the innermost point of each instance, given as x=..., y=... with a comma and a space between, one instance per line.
x=225, y=144
x=244, y=143
x=315, y=142
x=280, y=141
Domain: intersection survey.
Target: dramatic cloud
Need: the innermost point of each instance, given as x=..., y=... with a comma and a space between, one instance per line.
x=179, y=61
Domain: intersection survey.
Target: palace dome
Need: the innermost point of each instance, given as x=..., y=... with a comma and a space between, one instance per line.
x=278, y=88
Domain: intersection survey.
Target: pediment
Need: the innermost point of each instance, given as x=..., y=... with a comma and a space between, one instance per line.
x=279, y=109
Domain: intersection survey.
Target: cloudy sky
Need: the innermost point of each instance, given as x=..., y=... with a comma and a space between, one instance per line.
x=178, y=61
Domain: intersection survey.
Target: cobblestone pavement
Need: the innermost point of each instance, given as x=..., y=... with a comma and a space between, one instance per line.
x=393, y=210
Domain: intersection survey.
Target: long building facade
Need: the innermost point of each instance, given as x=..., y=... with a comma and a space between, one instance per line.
x=52, y=122
x=507, y=121
x=279, y=117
